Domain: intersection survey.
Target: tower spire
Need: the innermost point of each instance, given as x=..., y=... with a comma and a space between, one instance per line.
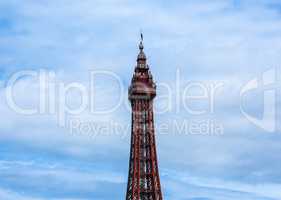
x=141, y=60
x=141, y=43
x=141, y=36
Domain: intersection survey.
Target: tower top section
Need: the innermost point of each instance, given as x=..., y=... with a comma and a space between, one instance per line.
x=142, y=84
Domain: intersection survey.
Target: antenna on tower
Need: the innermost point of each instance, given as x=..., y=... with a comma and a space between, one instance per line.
x=141, y=35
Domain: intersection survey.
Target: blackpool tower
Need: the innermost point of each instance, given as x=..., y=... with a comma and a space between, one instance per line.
x=143, y=178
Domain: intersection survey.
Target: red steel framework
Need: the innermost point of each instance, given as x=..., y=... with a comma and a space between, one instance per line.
x=143, y=178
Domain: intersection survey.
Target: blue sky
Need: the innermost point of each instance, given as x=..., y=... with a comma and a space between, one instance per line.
x=206, y=40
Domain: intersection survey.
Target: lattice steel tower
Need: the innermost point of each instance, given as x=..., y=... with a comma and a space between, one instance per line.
x=143, y=178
